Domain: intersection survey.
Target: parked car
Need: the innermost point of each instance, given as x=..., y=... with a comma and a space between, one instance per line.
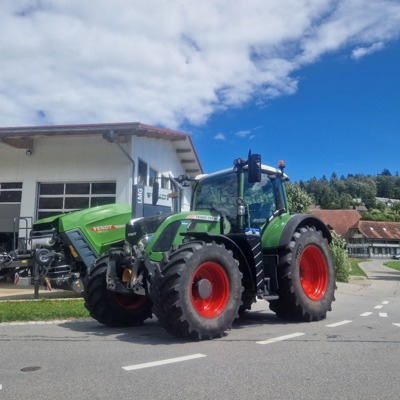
x=396, y=257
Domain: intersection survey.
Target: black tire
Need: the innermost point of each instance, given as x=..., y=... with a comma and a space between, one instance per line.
x=306, y=277
x=110, y=308
x=198, y=293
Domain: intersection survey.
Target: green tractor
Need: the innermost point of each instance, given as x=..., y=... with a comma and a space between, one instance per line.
x=198, y=270
x=63, y=247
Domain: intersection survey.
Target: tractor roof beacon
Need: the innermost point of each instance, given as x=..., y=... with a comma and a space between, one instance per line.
x=197, y=271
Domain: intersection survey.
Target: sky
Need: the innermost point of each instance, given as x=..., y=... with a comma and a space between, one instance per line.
x=315, y=83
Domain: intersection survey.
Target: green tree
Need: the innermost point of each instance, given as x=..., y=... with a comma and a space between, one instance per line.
x=329, y=199
x=340, y=258
x=345, y=201
x=298, y=198
x=396, y=207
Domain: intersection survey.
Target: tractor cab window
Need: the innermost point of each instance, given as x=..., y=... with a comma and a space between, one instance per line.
x=220, y=193
x=263, y=199
x=217, y=193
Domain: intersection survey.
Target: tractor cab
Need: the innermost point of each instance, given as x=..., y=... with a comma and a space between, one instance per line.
x=248, y=204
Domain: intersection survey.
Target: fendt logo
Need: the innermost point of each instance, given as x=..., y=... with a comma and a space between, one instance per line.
x=104, y=228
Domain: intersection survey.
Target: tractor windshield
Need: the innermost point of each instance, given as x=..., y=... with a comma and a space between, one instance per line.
x=219, y=192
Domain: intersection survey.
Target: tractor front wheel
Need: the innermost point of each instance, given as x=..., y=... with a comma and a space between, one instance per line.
x=111, y=308
x=198, y=292
x=306, y=277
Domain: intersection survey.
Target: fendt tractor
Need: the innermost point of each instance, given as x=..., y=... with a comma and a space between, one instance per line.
x=198, y=270
x=60, y=249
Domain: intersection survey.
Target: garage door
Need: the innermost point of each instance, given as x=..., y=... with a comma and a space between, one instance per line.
x=56, y=198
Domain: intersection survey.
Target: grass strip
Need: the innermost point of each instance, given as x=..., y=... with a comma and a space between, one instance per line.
x=42, y=310
x=355, y=268
x=393, y=264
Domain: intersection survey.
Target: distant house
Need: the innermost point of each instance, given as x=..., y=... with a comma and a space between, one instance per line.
x=339, y=221
x=386, y=201
x=373, y=239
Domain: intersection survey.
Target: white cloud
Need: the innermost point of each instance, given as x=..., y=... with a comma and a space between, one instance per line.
x=243, y=134
x=220, y=136
x=168, y=62
x=360, y=52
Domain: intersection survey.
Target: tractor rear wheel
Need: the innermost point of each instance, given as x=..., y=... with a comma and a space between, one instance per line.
x=111, y=308
x=198, y=292
x=306, y=277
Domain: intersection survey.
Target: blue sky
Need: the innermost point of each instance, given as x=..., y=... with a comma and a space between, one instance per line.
x=344, y=118
x=315, y=83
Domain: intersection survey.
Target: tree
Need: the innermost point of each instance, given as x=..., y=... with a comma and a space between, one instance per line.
x=396, y=207
x=298, y=198
x=345, y=201
x=329, y=199
x=385, y=172
x=340, y=258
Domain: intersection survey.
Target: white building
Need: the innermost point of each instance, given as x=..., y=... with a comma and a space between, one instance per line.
x=51, y=169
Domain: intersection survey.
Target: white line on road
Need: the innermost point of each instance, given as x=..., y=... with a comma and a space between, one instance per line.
x=346, y=321
x=378, y=307
x=385, y=302
x=280, y=338
x=163, y=362
x=366, y=314
x=383, y=315
x=396, y=325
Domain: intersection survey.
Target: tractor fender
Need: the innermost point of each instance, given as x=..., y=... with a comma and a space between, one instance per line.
x=299, y=220
x=230, y=245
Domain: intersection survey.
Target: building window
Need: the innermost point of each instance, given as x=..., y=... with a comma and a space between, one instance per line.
x=56, y=198
x=10, y=192
x=152, y=176
x=165, y=183
x=142, y=173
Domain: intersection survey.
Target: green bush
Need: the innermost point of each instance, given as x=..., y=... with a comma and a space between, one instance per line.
x=340, y=258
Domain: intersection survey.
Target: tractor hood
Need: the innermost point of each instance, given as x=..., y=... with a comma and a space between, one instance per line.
x=139, y=228
x=101, y=226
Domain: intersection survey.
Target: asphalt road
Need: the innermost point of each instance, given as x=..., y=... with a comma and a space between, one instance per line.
x=353, y=354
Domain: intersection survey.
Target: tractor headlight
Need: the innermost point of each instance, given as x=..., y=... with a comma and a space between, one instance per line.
x=144, y=241
x=127, y=248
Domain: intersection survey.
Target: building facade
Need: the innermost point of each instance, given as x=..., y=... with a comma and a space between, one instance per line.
x=374, y=239
x=53, y=169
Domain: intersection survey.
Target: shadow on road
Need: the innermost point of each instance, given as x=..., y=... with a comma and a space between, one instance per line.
x=152, y=333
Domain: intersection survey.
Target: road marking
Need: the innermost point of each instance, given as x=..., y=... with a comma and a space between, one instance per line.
x=346, y=321
x=366, y=314
x=385, y=302
x=383, y=315
x=280, y=338
x=396, y=325
x=378, y=307
x=162, y=362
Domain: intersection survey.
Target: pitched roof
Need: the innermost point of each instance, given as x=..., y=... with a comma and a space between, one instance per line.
x=22, y=137
x=338, y=220
x=379, y=230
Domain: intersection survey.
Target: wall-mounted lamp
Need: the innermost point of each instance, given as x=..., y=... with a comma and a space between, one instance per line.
x=28, y=152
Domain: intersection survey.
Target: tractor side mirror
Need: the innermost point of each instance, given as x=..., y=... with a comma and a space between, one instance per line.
x=156, y=190
x=254, y=165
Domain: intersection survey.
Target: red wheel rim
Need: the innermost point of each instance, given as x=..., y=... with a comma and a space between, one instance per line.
x=210, y=302
x=313, y=272
x=128, y=302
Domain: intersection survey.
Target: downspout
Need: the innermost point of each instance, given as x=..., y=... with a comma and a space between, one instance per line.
x=111, y=138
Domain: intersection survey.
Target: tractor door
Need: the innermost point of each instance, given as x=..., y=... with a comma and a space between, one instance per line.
x=263, y=200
